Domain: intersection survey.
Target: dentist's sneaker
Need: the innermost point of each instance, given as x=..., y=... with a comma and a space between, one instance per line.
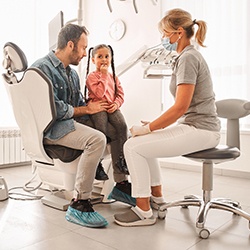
x=82, y=213
x=122, y=192
x=133, y=218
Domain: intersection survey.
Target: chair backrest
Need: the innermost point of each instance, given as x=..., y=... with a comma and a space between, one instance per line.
x=31, y=99
x=233, y=110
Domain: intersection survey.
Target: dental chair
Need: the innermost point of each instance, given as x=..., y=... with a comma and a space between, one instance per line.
x=232, y=110
x=34, y=110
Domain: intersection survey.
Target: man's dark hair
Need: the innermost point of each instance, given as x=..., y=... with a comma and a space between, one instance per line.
x=70, y=32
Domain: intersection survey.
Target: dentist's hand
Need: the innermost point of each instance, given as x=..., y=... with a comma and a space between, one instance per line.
x=140, y=130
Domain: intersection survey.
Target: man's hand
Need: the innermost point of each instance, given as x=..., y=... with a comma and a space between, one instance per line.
x=95, y=107
x=140, y=130
x=91, y=108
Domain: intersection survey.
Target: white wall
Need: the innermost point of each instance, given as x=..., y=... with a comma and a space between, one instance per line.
x=20, y=19
x=142, y=96
x=25, y=22
x=241, y=166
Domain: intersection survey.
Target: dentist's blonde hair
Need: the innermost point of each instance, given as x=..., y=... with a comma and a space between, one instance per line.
x=176, y=18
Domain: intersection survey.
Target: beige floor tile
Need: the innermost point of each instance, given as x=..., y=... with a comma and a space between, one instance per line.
x=30, y=225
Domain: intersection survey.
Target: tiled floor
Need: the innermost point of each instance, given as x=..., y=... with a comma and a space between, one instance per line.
x=30, y=225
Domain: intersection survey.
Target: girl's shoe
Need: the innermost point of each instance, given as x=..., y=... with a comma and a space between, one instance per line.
x=100, y=174
x=122, y=192
x=122, y=165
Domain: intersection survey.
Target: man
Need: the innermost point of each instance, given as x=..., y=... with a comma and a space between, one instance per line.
x=66, y=131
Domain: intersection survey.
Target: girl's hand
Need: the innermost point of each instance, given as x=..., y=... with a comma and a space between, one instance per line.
x=104, y=68
x=112, y=108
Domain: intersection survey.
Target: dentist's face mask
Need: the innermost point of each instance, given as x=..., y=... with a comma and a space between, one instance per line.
x=168, y=45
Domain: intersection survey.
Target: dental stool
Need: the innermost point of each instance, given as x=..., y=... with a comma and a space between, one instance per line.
x=33, y=105
x=232, y=110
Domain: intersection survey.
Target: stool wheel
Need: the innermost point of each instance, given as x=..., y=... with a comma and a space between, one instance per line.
x=203, y=233
x=162, y=214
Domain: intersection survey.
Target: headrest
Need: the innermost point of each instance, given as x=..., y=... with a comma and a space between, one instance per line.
x=233, y=108
x=14, y=58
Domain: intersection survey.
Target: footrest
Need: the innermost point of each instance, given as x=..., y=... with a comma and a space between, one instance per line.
x=54, y=201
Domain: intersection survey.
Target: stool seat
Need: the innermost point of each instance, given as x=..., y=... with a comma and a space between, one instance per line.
x=221, y=152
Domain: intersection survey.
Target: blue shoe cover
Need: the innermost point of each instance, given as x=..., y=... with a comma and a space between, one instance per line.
x=118, y=195
x=87, y=219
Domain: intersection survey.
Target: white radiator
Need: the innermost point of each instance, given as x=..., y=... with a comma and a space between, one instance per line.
x=11, y=148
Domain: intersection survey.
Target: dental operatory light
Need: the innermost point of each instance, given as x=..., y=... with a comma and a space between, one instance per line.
x=134, y=4
x=156, y=60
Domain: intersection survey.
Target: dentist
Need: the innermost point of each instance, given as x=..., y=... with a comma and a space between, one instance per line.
x=190, y=124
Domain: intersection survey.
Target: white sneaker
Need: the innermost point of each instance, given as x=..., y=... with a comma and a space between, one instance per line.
x=133, y=218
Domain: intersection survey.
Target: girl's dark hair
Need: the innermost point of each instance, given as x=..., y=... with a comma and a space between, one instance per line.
x=91, y=53
x=70, y=32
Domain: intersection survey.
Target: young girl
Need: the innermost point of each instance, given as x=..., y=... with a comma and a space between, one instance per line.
x=102, y=85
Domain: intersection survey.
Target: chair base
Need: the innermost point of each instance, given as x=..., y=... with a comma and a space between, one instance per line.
x=204, y=205
x=61, y=201
x=55, y=201
x=60, y=198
